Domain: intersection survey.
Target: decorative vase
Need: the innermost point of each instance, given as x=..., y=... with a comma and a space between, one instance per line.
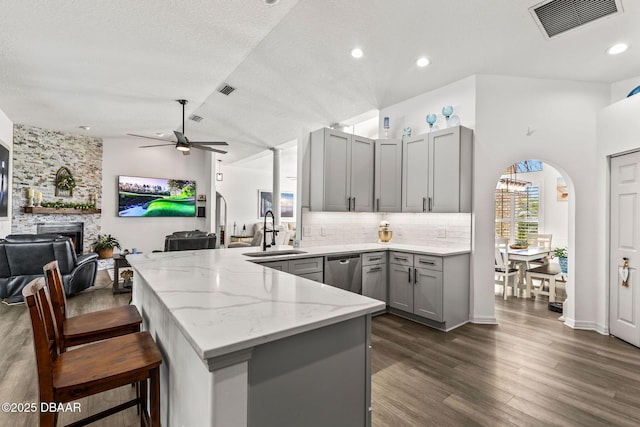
x=431, y=119
x=105, y=253
x=563, y=264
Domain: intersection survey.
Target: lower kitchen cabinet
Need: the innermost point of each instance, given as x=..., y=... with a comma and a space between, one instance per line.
x=309, y=268
x=374, y=281
x=430, y=290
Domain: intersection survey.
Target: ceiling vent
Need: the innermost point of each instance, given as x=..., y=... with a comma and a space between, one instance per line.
x=195, y=118
x=225, y=89
x=557, y=16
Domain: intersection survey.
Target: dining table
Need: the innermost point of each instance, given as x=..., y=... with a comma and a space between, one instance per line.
x=522, y=257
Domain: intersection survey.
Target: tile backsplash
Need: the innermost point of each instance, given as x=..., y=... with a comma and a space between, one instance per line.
x=429, y=229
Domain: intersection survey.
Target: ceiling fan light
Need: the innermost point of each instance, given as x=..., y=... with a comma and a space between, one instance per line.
x=181, y=147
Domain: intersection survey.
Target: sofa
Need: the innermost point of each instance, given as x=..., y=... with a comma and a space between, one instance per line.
x=22, y=257
x=189, y=240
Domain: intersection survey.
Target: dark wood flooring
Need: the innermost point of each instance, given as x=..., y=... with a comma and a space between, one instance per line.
x=530, y=370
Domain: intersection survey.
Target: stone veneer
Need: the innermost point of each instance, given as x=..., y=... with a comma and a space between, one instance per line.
x=37, y=156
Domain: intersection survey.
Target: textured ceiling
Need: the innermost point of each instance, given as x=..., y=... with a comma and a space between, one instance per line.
x=118, y=65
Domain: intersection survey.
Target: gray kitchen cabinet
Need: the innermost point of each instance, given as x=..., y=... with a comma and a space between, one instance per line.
x=415, y=173
x=430, y=289
x=310, y=268
x=450, y=170
x=341, y=172
x=388, y=175
x=437, y=171
x=374, y=275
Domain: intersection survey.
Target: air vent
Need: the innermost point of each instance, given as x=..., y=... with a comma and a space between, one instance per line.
x=225, y=89
x=558, y=16
x=195, y=118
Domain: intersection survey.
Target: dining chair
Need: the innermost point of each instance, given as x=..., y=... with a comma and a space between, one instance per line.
x=88, y=327
x=540, y=240
x=505, y=275
x=91, y=369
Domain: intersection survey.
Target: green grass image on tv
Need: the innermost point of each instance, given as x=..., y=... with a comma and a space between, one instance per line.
x=171, y=207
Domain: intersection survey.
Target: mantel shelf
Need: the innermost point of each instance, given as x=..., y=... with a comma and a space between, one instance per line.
x=61, y=211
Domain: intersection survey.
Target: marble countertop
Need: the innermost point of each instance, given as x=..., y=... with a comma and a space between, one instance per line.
x=223, y=303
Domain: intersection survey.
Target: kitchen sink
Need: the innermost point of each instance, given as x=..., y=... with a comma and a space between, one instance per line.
x=274, y=253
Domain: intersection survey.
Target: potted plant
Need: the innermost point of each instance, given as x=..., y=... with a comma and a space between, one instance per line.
x=561, y=254
x=103, y=245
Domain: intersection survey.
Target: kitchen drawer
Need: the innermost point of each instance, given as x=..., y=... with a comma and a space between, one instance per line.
x=306, y=265
x=428, y=261
x=282, y=265
x=401, y=258
x=374, y=258
x=317, y=276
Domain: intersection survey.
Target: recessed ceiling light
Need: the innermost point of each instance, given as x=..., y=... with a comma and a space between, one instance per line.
x=617, y=48
x=356, y=52
x=271, y=2
x=423, y=62
x=85, y=127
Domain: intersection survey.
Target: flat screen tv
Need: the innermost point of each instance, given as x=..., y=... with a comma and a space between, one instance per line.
x=156, y=197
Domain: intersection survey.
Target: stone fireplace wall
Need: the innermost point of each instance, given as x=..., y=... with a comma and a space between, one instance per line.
x=37, y=156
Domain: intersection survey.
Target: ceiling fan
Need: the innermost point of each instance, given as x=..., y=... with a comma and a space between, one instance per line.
x=183, y=143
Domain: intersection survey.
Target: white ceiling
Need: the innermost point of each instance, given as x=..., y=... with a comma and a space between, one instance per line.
x=118, y=65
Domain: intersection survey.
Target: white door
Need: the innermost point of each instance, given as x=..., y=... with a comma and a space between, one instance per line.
x=625, y=240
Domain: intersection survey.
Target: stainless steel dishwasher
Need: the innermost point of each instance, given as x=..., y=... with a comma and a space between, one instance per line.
x=344, y=272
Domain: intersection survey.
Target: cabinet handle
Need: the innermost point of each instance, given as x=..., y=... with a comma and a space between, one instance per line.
x=415, y=276
x=427, y=262
x=409, y=274
x=424, y=202
x=354, y=204
x=429, y=204
x=375, y=269
x=401, y=259
x=375, y=259
x=378, y=205
x=349, y=204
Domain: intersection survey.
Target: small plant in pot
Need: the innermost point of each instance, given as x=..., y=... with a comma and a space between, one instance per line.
x=104, y=244
x=561, y=254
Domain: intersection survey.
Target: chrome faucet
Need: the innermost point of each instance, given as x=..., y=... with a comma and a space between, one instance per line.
x=273, y=231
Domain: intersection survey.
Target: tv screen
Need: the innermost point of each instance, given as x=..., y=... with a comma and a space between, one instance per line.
x=156, y=197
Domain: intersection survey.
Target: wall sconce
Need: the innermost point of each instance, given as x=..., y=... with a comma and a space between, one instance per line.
x=219, y=176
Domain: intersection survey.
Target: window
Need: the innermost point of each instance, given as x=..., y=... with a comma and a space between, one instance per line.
x=517, y=212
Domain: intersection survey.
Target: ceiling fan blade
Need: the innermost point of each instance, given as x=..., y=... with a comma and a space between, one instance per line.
x=181, y=138
x=157, y=145
x=209, y=142
x=148, y=137
x=200, y=147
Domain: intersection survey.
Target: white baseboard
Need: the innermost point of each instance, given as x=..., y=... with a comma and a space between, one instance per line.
x=587, y=326
x=484, y=320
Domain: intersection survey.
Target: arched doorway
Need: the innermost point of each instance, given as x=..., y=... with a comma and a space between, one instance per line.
x=534, y=198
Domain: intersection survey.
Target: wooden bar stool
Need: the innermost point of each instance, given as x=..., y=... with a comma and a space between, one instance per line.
x=89, y=327
x=91, y=369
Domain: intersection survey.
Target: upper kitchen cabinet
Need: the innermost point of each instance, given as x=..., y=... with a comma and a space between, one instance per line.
x=437, y=174
x=415, y=173
x=341, y=172
x=388, y=176
x=450, y=175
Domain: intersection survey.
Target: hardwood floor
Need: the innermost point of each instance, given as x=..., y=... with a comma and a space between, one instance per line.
x=530, y=370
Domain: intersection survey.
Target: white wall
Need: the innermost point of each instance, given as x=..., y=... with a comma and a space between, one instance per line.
x=123, y=157
x=6, y=139
x=562, y=115
x=618, y=131
x=461, y=95
x=243, y=180
x=620, y=90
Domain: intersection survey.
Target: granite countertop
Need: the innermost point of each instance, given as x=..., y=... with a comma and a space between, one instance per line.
x=223, y=303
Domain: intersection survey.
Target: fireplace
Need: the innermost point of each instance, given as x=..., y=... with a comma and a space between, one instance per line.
x=75, y=230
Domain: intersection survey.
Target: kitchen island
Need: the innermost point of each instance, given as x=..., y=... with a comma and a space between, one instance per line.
x=247, y=345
